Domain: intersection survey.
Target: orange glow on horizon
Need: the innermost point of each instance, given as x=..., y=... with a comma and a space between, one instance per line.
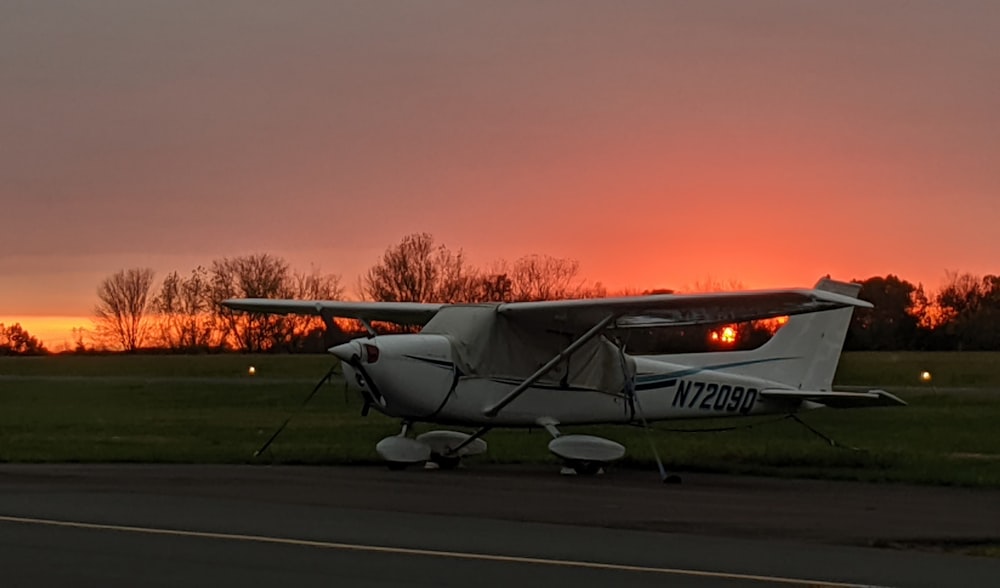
x=54, y=332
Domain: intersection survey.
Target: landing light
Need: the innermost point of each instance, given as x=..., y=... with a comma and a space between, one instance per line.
x=252, y=370
x=925, y=376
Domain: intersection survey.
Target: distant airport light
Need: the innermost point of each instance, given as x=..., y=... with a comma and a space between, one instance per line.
x=252, y=370
x=925, y=376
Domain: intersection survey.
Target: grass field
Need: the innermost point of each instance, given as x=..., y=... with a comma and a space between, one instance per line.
x=209, y=409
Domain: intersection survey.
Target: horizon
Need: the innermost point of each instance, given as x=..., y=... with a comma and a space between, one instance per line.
x=56, y=331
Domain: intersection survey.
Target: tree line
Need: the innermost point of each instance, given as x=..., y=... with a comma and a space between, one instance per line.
x=14, y=340
x=183, y=313
x=964, y=315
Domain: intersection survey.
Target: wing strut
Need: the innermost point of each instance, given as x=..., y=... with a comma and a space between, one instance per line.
x=548, y=367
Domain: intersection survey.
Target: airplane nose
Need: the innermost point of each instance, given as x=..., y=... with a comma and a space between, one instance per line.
x=346, y=351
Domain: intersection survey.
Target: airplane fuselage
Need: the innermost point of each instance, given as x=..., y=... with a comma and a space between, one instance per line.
x=416, y=378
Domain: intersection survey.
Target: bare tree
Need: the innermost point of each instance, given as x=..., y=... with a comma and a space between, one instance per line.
x=711, y=284
x=184, y=312
x=542, y=277
x=417, y=270
x=316, y=285
x=310, y=332
x=121, y=312
x=250, y=276
x=492, y=286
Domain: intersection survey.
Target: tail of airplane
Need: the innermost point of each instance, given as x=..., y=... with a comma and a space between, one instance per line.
x=803, y=353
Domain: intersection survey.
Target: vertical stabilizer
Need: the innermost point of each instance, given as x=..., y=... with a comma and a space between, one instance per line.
x=816, y=338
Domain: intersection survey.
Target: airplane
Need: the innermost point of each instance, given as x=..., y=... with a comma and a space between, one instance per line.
x=555, y=363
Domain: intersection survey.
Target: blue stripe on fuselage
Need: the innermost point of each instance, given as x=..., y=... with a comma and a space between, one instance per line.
x=663, y=380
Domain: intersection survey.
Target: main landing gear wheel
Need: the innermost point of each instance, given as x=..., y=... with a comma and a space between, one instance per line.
x=586, y=454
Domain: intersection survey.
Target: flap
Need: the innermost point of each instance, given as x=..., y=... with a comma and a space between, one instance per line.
x=836, y=399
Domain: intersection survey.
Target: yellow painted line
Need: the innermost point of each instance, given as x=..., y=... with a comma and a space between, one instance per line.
x=425, y=552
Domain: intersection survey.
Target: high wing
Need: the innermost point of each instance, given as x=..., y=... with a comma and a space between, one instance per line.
x=579, y=315
x=403, y=313
x=677, y=309
x=836, y=399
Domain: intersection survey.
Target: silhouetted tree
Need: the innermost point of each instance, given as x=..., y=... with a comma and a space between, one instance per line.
x=267, y=276
x=183, y=306
x=80, y=338
x=121, y=313
x=14, y=340
x=310, y=333
x=250, y=276
x=491, y=287
x=417, y=270
x=542, y=277
x=893, y=323
x=970, y=308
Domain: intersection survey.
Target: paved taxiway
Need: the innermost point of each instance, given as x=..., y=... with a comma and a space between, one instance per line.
x=485, y=526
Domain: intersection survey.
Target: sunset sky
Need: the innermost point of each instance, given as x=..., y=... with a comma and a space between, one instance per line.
x=657, y=143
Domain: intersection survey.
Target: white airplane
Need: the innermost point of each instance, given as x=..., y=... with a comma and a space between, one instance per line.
x=552, y=363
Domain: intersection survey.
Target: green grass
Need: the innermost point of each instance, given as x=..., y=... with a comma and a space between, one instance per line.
x=208, y=409
x=949, y=369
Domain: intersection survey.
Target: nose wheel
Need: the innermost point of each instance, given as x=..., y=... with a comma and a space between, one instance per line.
x=400, y=451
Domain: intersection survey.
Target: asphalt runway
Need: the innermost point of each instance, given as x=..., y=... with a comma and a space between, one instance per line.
x=169, y=525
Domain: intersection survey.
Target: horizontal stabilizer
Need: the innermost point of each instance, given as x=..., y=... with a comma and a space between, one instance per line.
x=836, y=399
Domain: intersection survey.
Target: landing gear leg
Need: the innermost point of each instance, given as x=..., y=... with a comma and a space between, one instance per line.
x=448, y=447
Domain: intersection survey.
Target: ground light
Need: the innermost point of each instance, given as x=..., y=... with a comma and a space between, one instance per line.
x=253, y=370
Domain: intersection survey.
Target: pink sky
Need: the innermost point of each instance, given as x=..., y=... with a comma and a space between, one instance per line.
x=659, y=145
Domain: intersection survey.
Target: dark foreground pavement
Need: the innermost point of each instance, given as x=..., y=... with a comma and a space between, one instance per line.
x=484, y=526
